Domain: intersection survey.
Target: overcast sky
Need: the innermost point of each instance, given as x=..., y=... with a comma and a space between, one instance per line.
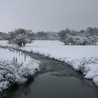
x=48, y=15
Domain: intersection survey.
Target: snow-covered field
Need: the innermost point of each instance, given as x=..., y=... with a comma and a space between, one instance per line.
x=15, y=67
x=81, y=58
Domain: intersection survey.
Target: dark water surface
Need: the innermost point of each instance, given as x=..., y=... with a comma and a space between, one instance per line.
x=56, y=80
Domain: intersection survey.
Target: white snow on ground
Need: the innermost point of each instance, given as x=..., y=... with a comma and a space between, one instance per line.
x=83, y=58
x=15, y=67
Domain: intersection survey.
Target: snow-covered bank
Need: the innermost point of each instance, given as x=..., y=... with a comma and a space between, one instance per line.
x=84, y=58
x=15, y=67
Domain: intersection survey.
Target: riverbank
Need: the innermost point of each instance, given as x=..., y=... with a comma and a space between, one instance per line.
x=15, y=67
x=55, y=79
x=81, y=58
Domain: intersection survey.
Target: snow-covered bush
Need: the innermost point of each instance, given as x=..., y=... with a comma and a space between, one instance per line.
x=82, y=37
x=76, y=40
x=20, y=37
x=81, y=40
x=21, y=40
x=12, y=72
x=93, y=40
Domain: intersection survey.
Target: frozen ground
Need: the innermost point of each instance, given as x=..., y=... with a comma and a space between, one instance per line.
x=81, y=58
x=15, y=67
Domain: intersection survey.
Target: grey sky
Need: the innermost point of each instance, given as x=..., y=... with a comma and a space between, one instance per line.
x=48, y=15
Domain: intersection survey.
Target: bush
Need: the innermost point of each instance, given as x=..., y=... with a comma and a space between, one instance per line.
x=20, y=37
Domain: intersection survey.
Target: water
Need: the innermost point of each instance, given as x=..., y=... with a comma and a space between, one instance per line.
x=59, y=87
x=56, y=80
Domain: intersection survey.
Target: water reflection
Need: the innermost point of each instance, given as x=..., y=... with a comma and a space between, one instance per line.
x=17, y=91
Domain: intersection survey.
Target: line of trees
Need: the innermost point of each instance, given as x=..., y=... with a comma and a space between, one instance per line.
x=70, y=37
x=83, y=37
x=22, y=36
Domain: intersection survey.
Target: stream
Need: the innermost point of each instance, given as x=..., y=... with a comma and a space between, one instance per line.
x=56, y=79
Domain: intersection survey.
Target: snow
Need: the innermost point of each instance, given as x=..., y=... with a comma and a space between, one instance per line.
x=81, y=58
x=15, y=67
